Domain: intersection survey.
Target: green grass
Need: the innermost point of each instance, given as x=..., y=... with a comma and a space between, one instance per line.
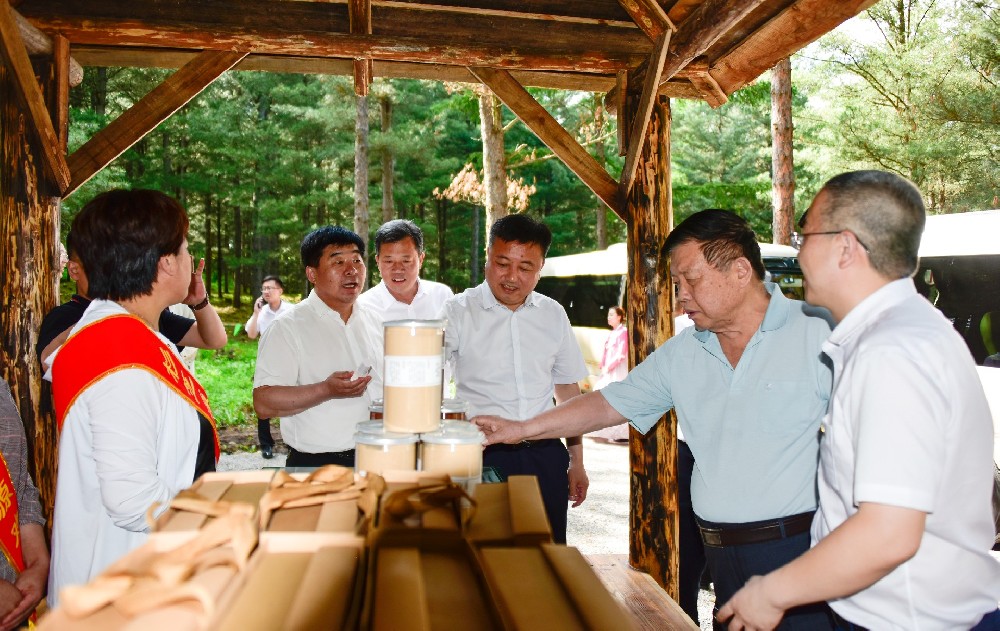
x=227, y=376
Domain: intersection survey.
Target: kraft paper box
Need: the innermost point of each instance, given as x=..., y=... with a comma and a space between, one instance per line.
x=411, y=500
x=330, y=500
x=166, y=584
x=509, y=513
x=549, y=587
x=297, y=584
x=433, y=586
x=209, y=495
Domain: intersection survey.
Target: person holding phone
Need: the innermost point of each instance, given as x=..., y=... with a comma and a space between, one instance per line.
x=269, y=306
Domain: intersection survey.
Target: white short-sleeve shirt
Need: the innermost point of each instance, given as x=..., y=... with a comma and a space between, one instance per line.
x=267, y=315
x=306, y=346
x=508, y=362
x=909, y=426
x=426, y=304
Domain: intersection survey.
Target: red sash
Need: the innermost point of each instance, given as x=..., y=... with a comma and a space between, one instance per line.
x=120, y=342
x=10, y=525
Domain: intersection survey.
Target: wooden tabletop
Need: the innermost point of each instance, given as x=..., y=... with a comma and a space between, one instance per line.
x=649, y=606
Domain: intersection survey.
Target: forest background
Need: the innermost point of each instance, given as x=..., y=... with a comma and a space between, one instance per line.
x=259, y=159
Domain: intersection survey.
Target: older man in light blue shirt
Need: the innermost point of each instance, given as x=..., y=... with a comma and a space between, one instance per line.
x=750, y=387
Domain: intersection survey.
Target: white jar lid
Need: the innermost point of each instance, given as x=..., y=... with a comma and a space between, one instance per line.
x=385, y=438
x=452, y=436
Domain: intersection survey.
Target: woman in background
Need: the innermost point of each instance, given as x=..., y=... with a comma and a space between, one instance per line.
x=614, y=367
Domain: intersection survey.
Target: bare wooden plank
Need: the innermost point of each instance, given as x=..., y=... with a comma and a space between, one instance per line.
x=38, y=43
x=61, y=63
x=360, y=13
x=550, y=132
x=637, y=131
x=621, y=86
x=15, y=59
x=649, y=17
x=709, y=88
x=144, y=116
x=640, y=596
x=798, y=25
x=584, y=11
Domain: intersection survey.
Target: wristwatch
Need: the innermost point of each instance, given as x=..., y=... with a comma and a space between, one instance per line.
x=200, y=305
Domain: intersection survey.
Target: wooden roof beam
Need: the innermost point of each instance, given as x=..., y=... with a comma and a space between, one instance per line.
x=143, y=117
x=649, y=16
x=15, y=59
x=550, y=132
x=360, y=12
x=637, y=131
x=706, y=84
x=38, y=43
x=703, y=27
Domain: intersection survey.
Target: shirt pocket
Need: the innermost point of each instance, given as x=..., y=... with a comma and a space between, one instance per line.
x=788, y=407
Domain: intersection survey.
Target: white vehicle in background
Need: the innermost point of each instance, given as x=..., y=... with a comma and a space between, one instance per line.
x=960, y=273
x=589, y=284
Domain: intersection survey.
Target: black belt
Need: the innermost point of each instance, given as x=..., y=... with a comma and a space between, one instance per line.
x=524, y=444
x=758, y=532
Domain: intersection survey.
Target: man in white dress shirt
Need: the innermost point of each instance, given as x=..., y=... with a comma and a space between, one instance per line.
x=308, y=358
x=512, y=351
x=402, y=294
x=269, y=306
x=903, y=533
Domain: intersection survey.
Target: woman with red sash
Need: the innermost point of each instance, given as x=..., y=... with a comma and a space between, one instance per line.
x=135, y=426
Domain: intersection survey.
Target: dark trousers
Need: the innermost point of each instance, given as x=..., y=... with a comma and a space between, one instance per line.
x=732, y=566
x=303, y=459
x=264, y=432
x=548, y=460
x=692, y=561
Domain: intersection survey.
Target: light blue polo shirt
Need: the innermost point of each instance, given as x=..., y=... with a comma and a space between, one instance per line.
x=754, y=430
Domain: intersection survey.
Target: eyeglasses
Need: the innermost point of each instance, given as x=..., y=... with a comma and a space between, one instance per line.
x=799, y=238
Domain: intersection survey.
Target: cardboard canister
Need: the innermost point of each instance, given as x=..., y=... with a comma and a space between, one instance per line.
x=414, y=359
x=388, y=451
x=456, y=451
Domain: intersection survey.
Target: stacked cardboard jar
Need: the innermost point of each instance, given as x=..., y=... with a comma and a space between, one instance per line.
x=413, y=414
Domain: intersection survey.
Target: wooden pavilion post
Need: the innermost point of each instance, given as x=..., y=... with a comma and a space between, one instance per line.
x=29, y=272
x=653, y=462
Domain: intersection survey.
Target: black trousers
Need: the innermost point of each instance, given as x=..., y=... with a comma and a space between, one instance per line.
x=298, y=458
x=548, y=460
x=692, y=561
x=264, y=432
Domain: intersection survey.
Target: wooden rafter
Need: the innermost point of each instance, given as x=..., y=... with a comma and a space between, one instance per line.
x=637, y=131
x=144, y=116
x=550, y=132
x=360, y=13
x=61, y=64
x=709, y=88
x=38, y=43
x=15, y=58
x=696, y=34
x=649, y=16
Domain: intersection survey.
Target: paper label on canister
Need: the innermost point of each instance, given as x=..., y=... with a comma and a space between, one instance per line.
x=403, y=371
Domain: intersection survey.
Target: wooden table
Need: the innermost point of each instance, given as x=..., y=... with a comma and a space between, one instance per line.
x=649, y=606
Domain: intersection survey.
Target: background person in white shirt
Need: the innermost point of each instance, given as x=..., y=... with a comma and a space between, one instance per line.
x=402, y=294
x=902, y=536
x=269, y=306
x=513, y=350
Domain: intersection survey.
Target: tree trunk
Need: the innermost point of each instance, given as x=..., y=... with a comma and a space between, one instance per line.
x=654, y=510
x=219, y=261
x=361, y=168
x=441, y=208
x=238, y=252
x=388, y=161
x=29, y=273
x=782, y=167
x=474, y=252
x=602, y=210
x=99, y=97
x=494, y=158
x=207, y=235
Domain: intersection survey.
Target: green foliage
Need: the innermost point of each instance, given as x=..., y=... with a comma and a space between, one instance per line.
x=227, y=376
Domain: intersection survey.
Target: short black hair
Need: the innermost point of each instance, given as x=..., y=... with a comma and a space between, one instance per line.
x=885, y=211
x=397, y=230
x=120, y=236
x=316, y=241
x=277, y=281
x=522, y=229
x=724, y=237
